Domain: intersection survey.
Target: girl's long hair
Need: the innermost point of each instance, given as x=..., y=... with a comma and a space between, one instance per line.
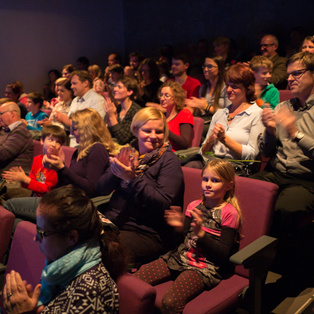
x=92, y=129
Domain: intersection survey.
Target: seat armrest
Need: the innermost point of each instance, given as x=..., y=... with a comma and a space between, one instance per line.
x=259, y=253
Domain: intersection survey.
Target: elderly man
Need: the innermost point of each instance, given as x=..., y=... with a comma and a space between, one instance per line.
x=269, y=46
x=82, y=84
x=16, y=144
x=289, y=140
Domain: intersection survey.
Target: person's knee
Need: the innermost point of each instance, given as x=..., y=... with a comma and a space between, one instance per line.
x=170, y=304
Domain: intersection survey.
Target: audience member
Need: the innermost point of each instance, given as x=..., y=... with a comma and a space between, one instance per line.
x=49, y=88
x=81, y=84
x=269, y=45
x=82, y=259
x=180, y=121
x=40, y=179
x=267, y=94
x=308, y=44
x=120, y=118
x=233, y=131
x=149, y=82
x=82, y=64
x=67, y=70
x=115, y=74
x=213, y=93
x=164, y=70
x=113, y=58
x=14, y=91
x=179, y=67
x=95, y=72
x=65, y=95
x=211, y=227
x=222, y=47
x=34, y=104
x=16, y=144
x=135, y=60
x=146, y=179
x=88, y=163
x=296, y=37
x=289, y=140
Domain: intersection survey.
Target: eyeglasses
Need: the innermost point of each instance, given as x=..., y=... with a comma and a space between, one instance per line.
x=297, y=74
x=41, y=234
x=208, y=66
x=167, y=96
x=266, y=45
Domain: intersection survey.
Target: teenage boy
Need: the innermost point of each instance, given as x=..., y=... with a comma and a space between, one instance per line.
x=34, y=103
x=40, y=179
x=179, y=67
x=267, y=94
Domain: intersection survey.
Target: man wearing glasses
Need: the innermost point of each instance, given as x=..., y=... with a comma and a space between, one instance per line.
x=16, y=144
x=288, y=140
x=269, y=46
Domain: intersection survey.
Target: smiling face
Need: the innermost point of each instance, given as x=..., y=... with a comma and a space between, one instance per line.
x=54, y=245
x=167, y=100
x=64, y=94
x=301, y=84
x=150, y=136
x=120, y=92
x=178, y=67
x=268, y=46
x=210, y=69
x=236, y=93
x=79, y=88
x=214, y=188
x=74, y=132
x=308, y=46
x=134, y=63
x=31, y=106
x=262, y=76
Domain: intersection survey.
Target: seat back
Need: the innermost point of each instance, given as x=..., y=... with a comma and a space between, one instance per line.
x=25, y=256
x=285, y=94
x=192, y=183
x=136, y=296
x=197, y=132
x=38, y=148
x=68, y=153
x=6, y=225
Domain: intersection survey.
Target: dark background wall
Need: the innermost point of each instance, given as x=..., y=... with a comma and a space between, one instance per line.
x=38, y=35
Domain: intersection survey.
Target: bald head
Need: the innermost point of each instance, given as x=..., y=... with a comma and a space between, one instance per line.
x=10, y=113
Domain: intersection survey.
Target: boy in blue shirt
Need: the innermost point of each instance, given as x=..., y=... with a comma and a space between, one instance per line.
x=34, y=103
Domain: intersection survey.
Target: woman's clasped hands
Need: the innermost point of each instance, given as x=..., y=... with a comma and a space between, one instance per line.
x=18, y=296
x=124, y=164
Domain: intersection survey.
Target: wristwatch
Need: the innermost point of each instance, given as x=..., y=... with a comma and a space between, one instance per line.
x=298, y=136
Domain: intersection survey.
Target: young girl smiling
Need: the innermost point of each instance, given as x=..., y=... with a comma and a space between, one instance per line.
x=211, y=228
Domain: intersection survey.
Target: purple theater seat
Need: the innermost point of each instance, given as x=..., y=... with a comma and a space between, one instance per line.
x=136, y=296
x=197, y=132
x=6, y=225
x=256, y=199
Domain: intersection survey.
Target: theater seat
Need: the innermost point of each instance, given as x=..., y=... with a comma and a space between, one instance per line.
x=257, y=250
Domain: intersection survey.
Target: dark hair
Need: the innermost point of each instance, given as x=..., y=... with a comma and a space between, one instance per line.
x=242, y=74
x=118, y=68
x=153, y=69
x=83, y=60
x=83, y=76
x=136, y=54
x=305, y=57
x=55, y=131
x=181, y=56
x=69, y=68
x=37, y=98
x=117, y=57
x=16, y=88
x=220, y=83
x=56, y=72
x=68, y=208
x=131, y=84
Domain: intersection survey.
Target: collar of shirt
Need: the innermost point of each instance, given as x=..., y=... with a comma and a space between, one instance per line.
x=85, y=96
x=12, y=126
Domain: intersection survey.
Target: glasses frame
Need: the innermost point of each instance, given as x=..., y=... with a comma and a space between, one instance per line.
x=266, y=45
x=42, y=234
x=296, y=74
x=210, y=66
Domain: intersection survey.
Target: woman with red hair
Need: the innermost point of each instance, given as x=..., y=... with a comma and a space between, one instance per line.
x=233, y=130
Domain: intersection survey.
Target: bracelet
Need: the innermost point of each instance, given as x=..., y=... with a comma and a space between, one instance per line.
x=208, y=107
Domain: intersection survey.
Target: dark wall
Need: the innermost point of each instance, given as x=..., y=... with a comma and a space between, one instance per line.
x=38, y=35
x=149, y=24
